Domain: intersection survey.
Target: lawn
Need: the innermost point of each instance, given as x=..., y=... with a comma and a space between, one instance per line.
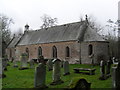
x=25, y=78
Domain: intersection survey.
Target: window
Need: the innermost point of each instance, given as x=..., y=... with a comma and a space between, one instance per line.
x=54, y=49
x=67, y=52
x=27, y=51
x=39, y=51
x=90, y=49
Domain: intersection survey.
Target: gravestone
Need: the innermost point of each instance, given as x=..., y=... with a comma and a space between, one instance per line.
x=56, y=72
x=116, y=76
x=82, y=84
x=66, y=68
x=108, y=69
x=31, y=63
x=4, y=64
x=62, y=63
x=79, y=83
x=40, y=58
x=2, y=75
x=40, y=76
x=102, y=70
x=49, y=65
x=0, y=68
x=12, y=59
x=24, y=59
x=15, y=63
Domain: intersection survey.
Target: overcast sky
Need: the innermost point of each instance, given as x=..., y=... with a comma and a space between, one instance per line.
x=67, y=11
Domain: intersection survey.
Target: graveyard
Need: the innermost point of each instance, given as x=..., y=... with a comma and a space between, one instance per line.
x=16, y=78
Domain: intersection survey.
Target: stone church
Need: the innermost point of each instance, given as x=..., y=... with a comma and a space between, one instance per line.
x=76, y=42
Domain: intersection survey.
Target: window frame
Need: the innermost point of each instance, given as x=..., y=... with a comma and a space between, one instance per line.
x=67, y=52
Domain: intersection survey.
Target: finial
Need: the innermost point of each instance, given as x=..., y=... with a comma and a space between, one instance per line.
x=26, y=27
x=86, y=18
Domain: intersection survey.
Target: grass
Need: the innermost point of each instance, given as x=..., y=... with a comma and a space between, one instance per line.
x=25, y=78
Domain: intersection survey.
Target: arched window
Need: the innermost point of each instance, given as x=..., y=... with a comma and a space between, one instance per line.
x=90, y=49
x=54, y=49
x=39, y=51
x=67, y=52
x=27, y=51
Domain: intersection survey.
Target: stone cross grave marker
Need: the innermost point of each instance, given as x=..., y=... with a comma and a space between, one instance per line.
x=116, y=76
x=66, y=68
x=56, y=72
x=49, y=65
x=102, y=70
x=31, y=63
x=40, y=76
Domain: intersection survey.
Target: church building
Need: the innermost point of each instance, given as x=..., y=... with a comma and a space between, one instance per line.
x=76, y=42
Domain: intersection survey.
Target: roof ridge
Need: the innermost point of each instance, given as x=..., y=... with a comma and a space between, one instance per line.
x=56, y=26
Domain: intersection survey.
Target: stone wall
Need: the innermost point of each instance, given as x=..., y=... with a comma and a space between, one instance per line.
x=100, y=51
x=47, y=50
x=10, y=53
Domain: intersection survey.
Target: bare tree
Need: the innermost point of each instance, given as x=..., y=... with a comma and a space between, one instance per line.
x=48, y=21
x=5, y=23
x=112, y=37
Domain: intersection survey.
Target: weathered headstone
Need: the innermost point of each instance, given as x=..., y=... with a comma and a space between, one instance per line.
x=102, y=70
x=12, y=59
x=2, y=75
x=15, y=64
x=24, y=59
x=49, y=65
x=40, y=58
x=56, y=72
x=2, y=68
x=115, y=61
x=62, y=63
x=40, y=76
x=108, y=68
x=31, y=63
x=80, y=84
x=66, y=68
x=116, y=76
x=4, y=64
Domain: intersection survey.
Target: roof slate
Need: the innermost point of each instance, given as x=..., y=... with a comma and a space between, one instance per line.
x=67, y=32
x=14, y=41
x=92, y=35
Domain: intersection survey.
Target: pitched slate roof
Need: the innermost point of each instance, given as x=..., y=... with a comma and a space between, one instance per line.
x=67, y=32
x=92, y=35
x=14, y=41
